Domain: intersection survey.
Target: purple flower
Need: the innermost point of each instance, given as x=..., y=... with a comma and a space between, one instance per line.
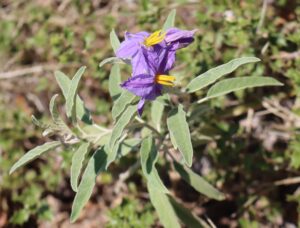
x=137, y=46
x=148, y=86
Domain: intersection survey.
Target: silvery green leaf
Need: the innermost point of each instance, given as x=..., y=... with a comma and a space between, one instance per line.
x=179, y=129
x=164, y=209
x=149, y=157
x=33, y=154
x=112, y=154
x=214, y=74
x=186, y=216
x=114, y=82
x=121, y=124
x=114, y=40
x=58, y=121
x=38, y=123
x=114, y=60
x=198, y=182
x=77, y=162
x=95, y=165
x=64, y=83
x=72, y=93
x=157, y=109
x=234, y=84
x=128, y=145
x=170, y=21
x=121, y=103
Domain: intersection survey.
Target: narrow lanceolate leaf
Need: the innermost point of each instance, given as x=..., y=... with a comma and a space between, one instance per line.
x=186, y=216
x=121, y=124
x=112, y=153
x=64, y=84
x=164, y=209
x=38, y=123
x=212, y=75
x=179, y=129
x=170, y=21
x=58, y=121
x=128, y=145
x=33, y=154
x=149, y=157
x=72, y=93
x=157, y=110
x=77, y=161
x=234, y=84
x=114, y=82
x=198, y=182
x=95, y=165
x=114, y=60
x=121, y=103
x=114, y=40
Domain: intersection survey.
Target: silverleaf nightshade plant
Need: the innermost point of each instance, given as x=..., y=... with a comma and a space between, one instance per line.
x=151, y=56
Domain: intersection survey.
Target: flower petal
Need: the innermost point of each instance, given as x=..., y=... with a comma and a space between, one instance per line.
x=139, y=37
x=141, y=63
x=131, y=44
x=140, y=85
x=179, y=38
x=144, y=86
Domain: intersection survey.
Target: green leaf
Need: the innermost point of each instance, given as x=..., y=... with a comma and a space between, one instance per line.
x=64, y=84
x=95, y=165
x=38, y=123
x=214, y=74
x=157, y=110
x=179, y=129
x=234, y=84
x=149, y=157
x=77, y=162
x=58, y=121
x=170, y=21
x=128, y=145
x=114, y=40
x=20, y=216
x=186, y=216
x=121, y=124
x=164, y=209
x=198, y=183
x=114, y=82
x=72, y=93
x=121, y=103
x=34, y=153
x=114, y=60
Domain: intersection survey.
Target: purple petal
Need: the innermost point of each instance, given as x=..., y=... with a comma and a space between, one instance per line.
x=179, y=38
x=143, y=62
x=140, y=106
x=144, y=86
x=127, y=49
x=131, y=44
x=166, y=60
x=140, y=85
x=139, y=37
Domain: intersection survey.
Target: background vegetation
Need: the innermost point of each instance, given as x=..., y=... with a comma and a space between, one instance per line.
x=249, y=146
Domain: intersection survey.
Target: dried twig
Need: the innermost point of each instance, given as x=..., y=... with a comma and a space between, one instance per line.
x=26, y=71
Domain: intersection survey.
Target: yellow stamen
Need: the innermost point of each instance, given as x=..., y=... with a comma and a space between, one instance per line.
x=155, y=38
x=165, y=79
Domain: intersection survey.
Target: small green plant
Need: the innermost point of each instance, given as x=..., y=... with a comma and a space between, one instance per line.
x=130, y=214
x=166, y=136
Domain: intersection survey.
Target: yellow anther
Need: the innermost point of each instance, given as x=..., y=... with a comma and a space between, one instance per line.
x=165, y=80
x=155, y=38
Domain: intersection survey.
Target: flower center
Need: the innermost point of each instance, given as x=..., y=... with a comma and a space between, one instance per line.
x=155, y=38
x=165, y=79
